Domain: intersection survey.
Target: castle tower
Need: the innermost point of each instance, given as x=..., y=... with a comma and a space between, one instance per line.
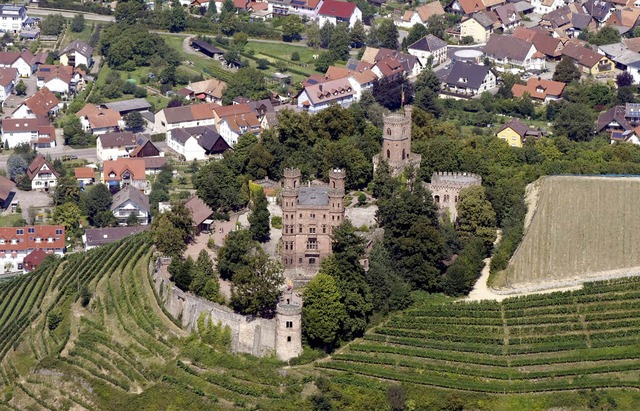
x=337, y=179
x=292, y=178
x=288, y=329
x=396, y=143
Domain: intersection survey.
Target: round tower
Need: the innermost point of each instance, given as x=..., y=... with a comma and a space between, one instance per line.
x=288, y=330
x=396, y=137
x=292, y=177
x=337, y=179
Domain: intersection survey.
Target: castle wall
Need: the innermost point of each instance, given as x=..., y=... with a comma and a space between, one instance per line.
x=252, y=335
x=445, y=189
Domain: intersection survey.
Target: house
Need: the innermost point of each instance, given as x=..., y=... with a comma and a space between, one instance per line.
x=144, y=147
x=467, y=79
x=6, y=192
x=549, y=46
x=515, y=133
x=303, y=8
x=336, y=11
x=37, y=132
x=543, y=7
x=185, y=116
x=511, y=52
x=12, y=18
x=24, y=62
x=479, y=26
x=599, y=10
x=389, y=64
x=130, y=201
x=58, y=79
x=207, y=49
x=154, y=165
x=42, y=103
x=421, y=14
x=95, y=237
x=209, y=91
x=539, y=89
x=85, y=176
x=76, y=53
x=200, y=214
x=624, y=19
x=465, y=7
x=360, y=80
x=124, y=107
x=235, y=120
x=430, y=50
x=614, y=119
x=33, y=260
x=110, y=146
x=508, y=16
x=124, y=172
x=196, y=143
x=42, y=174
x=626, y=136
x=589, y=61
x=317, y=97
x=8, y=80
x=16, y=243
x=99, y=120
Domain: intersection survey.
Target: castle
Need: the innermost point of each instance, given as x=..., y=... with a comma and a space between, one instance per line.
x=445, y=188
x=396, y=143
x=309, y=216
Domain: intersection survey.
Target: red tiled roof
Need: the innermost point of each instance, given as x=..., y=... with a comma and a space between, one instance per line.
x=136, y=166
x=42, y=102
x=28, y=240
x=340, y=9
x=34, y=259
x=6, y=186
x=48, y=72
x=37, y=164
x=84, y=172
x=99, y=117
x=15, y=125
x=7, y=75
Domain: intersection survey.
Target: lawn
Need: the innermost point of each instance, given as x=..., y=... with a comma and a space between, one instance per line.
x=10, y=219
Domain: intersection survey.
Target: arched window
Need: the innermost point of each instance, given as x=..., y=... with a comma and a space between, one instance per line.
x=388, y=154
x=334, y=184
x=436, y=198
x=403, y=154
x=294, y=183
x=388, y=131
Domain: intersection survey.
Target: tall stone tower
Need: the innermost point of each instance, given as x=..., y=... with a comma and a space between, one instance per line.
x=396, y=143
x=288, y=330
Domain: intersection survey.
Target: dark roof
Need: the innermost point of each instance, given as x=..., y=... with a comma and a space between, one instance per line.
x=151, y=163
x=206, y=46
x=616, y=114
x=125, y=138
x=559, y=17
x=314, y=196
x=473, y=74
x=516, y=125
x=100, y=236
x=485, y=18
x=134, y=104
x=501, y=46
x=200, y=211
x=597, y=9
x=131, y=193
x=79, y=47
x=34, y=259
x=580, y=21
x=6, y=186
x=207, y=136
x=37, y=164
x=428, y=43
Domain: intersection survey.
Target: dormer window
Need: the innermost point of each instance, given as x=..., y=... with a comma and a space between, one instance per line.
x=20, y=231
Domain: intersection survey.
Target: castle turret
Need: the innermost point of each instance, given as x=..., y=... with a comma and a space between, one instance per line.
x=288, y=329
x=396, y=142
x=292, y=177
x=337, y=179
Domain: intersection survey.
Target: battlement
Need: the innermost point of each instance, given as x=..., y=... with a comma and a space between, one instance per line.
x=337, y=173
x=455, y=178
x=292, y=173
x=288, y=309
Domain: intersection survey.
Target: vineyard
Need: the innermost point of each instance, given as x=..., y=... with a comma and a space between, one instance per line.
x=120, y=351
x=562, y=341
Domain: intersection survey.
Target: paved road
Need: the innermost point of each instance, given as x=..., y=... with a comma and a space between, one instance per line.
x=88, y=154
x=70, y=13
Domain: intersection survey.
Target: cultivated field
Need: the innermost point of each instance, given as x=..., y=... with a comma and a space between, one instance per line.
x=583, y=228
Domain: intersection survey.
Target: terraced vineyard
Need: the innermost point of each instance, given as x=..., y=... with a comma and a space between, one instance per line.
x=561, y=341
x=120, y=351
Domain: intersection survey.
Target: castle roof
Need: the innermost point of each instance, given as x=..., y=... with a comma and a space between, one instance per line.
x=313, y=196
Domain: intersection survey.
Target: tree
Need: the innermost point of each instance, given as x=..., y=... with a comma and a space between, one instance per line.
x=389, y=93
x=324, y=61
x=182, y=272
x=292, y=27
x=465, y=270
x=21, y=88
x=322, y=312
x=132, y=220
x=173, y=230
x=77, y=23
x=416, y=32
x=326, y=32
x=427, y=88
x=606, y=35
x=259, y=217
x=476, y=217
x=358, y=34
x=437, y=25
x=16, y=166
x=105, y=218
x=66, y=191
x=247, y=82
x=128, y=12
x=624, y=79
x=52, y=25
x=339, y=44
x=134, y=120
x=68, y=215
x=177, y=18
x=387, y=34
x=255, y=288
x=566, y=71
x=389, y=291
x=96, y=200
x=313, y=34
x=218, y=187
x=205, y=282
x=234, y=253
x=73, y=132
x=575, y=121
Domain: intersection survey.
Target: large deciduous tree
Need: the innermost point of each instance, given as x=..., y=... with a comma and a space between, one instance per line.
x=259, y=217
x=96, y=200
x=566, y=71
x=322, y=312
x=217, y=186
x=476, y=218
x=255, y=288
x=575, y=121
x=233, y=254
x=247, y=82
x=389, y=291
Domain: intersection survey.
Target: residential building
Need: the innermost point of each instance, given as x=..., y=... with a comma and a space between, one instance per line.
x=465, y=7
x=589, y=61
x=33, y=260
x=511, y=52
x=76, y=53
x=468, y=79
x=18, y=242
x=12, y=18
x=209, y=91
x=479, y=26
x=430, y=50
x=154, y=165
x=549, y=46
x=124, y=172
x=235, y=120
x=144, y=147
x=389, y=63
x=6, y=192
x=200, y=214
x=8, y=80
x=360, y=80
x=58, y=79
x=515, y=133
x=85, y=176
x=336, y=11
x=543, y=7
x=24, y=62
x=539, y=89
x=196, y=143
x=99, y=120
x=185, y=116
x=619, y=118
x=42, y=174
x=306, y=8
x=37, y=132
x=317, y=97
x=508, y=16
x=626, y=136
x=42, y=104
x=310, y=214
x=95, y=237
x=124, y=107
x=599, y=10
x=130, y=201
x=421, y=14
x=110, y=146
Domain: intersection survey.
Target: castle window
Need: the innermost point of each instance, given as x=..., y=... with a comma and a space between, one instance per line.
x=388, y=153
x=312, y=230
x=312, y=215
x=312, y=244
x=300, y=215
x=436, y=198
x=324, y=216
x=312, y=261
x=300, y=228
x=300, y=260
x=289, y=324
x=333, y=217
x=388, y=131
x=324, y=229
x=403, y=154
x=289, y=339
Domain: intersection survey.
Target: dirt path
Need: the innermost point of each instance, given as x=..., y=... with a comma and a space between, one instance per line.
x=186, y=47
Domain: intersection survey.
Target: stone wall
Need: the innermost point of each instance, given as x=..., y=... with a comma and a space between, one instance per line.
x=251, y=335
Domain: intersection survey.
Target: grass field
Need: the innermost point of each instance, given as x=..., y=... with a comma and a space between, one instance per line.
x=583, y=227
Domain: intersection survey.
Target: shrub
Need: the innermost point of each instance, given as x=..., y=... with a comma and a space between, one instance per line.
x=276, y=222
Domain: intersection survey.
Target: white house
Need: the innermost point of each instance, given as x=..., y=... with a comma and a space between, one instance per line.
x=429, y=48
x=192, y=115
x=37, y=132
x=12, y=18
x=58, y=79
x=467, y=79
x=196, y=143
x=307, y=8
x=42, y=175
x=129, y=201
x=335, y=11
x=77, y=53
x=42, y=104
x=16, y=243
x=317, y=97
x=24, y=62
x=543, y=7
x=99, y=120
x=511, y=52
x=421, y=14
x=8, y=80
x=110, y=146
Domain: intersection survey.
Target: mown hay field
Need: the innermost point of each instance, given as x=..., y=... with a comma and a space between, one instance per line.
x=583, y=228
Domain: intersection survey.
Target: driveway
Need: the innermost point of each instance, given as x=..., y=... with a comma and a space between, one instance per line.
x=13, y=101
x=35, y=199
